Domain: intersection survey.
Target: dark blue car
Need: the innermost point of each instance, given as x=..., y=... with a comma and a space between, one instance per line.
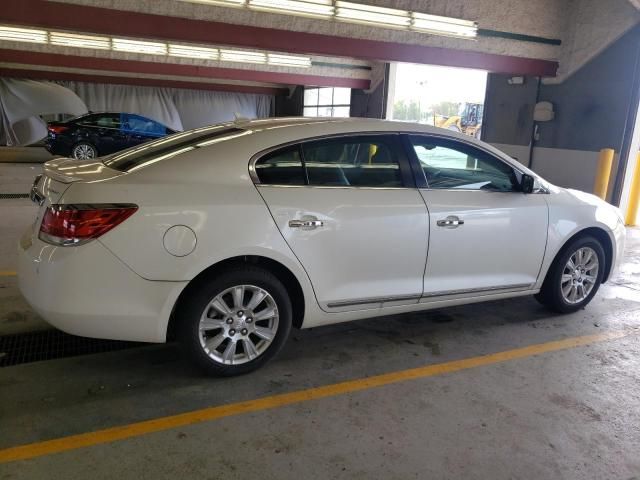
x=97, y=134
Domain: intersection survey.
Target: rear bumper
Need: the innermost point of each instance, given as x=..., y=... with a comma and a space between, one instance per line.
x=56, y=147
x=87, y=291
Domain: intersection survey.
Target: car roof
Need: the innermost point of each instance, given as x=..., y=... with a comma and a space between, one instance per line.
x=351, y=124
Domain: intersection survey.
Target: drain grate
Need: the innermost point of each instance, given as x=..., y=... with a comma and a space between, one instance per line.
x=51, y=344
x=6, y=196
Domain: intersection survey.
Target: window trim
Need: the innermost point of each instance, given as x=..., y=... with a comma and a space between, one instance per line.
x=421, y=178
x=406, y=173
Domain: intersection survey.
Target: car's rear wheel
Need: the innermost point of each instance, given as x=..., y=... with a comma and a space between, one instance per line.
x=84, y=151
x=574, y=276
x=236, y=322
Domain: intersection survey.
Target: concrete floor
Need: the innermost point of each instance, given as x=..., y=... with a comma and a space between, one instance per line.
x=571, y=414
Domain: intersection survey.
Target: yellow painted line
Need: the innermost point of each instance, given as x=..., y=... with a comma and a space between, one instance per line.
x=113, y=434
x=7, y=273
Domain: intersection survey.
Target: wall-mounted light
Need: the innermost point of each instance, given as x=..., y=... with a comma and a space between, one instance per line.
x=138, y=46
x=307, y=8
x=29, y=35
x=222, y=3
x=438, y=25
x=68, y=39
x=370, y=15
x=354, y=12
x=244, y=56
x=288, y=60
x=189, y=51
x=64, y=39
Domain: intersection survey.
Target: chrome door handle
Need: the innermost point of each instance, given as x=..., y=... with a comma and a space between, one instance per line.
x=305, y=223
x=450, y=222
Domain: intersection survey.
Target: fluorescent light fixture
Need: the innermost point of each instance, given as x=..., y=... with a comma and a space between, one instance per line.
x=243, y=56
x=435, y=24
x=288, y=60
x=81, y=41
x=221, y=3
x=138, y=46
x=189, y=51
x=359, y=13
x=307, y=8
x=13, y=34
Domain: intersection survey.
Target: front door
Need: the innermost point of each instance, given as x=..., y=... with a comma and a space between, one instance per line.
x=348, y=210
x=486, y=235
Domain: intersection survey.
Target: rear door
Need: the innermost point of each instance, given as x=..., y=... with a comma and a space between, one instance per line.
x=486, y=235
x=103, y=131
x=349, y=210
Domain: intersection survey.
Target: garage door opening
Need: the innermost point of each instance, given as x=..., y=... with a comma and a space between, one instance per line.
x=451, y=98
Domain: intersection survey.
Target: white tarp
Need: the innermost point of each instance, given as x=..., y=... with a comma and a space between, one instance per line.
x=21, y=103
x=179, y=109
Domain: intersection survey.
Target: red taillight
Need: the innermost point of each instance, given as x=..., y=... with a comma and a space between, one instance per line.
x=77, y=224
x=57, y=128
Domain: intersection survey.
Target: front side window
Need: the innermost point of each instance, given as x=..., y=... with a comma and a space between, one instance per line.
x=448, y=164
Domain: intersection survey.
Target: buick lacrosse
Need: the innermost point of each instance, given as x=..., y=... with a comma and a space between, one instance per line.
x=228, y=236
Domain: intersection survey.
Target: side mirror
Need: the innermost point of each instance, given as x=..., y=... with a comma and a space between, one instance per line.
x=527, y=183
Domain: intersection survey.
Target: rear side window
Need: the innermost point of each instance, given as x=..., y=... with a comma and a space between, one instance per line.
x=358, y=161
x=167, y=147
x=283, y=167
x=367, y=161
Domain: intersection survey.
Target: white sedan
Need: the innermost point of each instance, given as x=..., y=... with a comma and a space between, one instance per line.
x=227, y=236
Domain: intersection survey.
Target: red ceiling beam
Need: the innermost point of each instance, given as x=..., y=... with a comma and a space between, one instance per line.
x=116, y=22
x=157, y=68
x=139, y=81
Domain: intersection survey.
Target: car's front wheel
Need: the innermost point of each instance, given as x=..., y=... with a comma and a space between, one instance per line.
x=574, y=276
x=236, y=322
x=84, y=151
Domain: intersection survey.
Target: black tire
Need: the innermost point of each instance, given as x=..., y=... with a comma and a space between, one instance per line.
x=88, y=147
x=551, y=293
x=192, y=308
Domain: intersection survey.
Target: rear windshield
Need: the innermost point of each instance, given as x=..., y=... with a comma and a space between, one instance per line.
x=167, y=147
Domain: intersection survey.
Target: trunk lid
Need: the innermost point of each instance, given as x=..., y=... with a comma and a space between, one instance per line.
x=68, y=170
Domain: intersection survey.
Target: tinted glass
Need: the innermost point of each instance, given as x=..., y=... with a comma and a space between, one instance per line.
x=283, y=167
x=448, y=164
x=143, y=125
x=108, y=121
x=166, y=147
x=89, y=120
x=357, y=161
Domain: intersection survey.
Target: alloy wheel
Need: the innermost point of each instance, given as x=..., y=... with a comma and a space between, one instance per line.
x=84, y=152
x=238, y=325
x=579, y=275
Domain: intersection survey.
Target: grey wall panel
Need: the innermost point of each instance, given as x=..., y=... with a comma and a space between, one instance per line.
x=592, y=105
x=508, y=111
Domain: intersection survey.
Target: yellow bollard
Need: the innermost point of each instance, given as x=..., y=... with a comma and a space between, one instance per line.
x=634, y=196
x=605, y=161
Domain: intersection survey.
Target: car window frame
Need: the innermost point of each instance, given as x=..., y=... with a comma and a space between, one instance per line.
x=394, y=140
x=421, y=178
